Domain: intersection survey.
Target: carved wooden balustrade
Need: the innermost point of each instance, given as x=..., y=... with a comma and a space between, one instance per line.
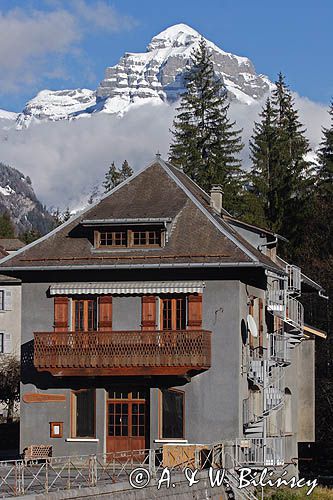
x=184, y=352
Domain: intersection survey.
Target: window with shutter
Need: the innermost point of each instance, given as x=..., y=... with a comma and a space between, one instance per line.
x=105, y=313
x=2, y=339
x=148, y=315
x=7, y=343
x=2, y=300
x=8, y=300
x=61, y=305
x=194, y=306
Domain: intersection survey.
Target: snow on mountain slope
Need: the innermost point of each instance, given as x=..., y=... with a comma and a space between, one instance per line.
x=7, y=119
x=154, y=77
x=54, y=105
x=158, y=74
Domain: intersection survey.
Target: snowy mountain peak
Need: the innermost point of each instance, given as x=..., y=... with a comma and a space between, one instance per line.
x=174, y=36
x=152, y=77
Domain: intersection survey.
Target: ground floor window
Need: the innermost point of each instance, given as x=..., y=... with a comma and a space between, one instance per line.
x=83, y=409
x=173, y=414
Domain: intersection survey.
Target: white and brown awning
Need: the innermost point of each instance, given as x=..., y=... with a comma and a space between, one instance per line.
x=127, y=288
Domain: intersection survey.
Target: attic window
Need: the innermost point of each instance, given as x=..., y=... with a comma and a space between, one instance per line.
x=128, y=238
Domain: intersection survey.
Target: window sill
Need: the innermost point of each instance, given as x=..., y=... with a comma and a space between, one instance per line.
x=171, y=441
x=82, y=440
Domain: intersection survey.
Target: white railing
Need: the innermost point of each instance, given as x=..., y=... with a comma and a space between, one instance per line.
x=276, y=295
x=260, y=452
x=279, y=348
x=280, y=297
x=294, y=314
x=257, y=370
x=294, y=279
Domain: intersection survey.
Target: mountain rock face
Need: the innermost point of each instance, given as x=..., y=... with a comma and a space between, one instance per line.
x=154, y=77
x=17, y=197
x=159, y=73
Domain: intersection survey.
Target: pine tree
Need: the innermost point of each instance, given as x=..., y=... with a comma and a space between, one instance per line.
x=112, y=178
x=7, y=229
x=280, y=178
x=262, y=178
x=205, y=143
x=125, y=172
x=325, y=155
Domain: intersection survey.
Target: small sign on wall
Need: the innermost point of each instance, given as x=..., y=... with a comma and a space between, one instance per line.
x=56, y=429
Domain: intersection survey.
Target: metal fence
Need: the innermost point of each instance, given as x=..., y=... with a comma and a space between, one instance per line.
x=21, y=477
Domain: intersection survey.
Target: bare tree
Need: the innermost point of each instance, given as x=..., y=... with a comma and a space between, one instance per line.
x=9, y=383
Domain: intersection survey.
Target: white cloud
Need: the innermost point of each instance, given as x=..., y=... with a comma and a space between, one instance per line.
x=65, y=159
x=27, y=39
x=102, y=16
x=33, y=43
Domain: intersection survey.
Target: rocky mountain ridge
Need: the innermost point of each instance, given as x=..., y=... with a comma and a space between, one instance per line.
x=18, y=199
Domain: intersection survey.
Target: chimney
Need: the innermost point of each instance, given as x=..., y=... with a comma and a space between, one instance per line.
x=216, y=195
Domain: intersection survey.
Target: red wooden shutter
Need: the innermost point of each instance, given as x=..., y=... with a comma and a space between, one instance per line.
x=105, y=313
x=194, y=308
x=148, y=317
x=61, y=314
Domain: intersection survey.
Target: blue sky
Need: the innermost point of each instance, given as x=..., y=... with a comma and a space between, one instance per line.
x=67, y=44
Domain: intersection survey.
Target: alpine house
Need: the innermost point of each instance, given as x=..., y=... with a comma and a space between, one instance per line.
x=155, y=317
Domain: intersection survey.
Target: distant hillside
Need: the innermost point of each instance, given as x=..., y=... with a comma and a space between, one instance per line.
x=18, y=198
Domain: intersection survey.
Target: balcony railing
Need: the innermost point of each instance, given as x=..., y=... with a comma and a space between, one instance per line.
x=260, y=452
x=294, y=279
x=279, y=349
x=179, y=353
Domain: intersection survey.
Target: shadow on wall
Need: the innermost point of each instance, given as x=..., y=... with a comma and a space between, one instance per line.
x=44, y=380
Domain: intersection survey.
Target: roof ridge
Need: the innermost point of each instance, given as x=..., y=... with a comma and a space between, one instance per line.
x=209, y=216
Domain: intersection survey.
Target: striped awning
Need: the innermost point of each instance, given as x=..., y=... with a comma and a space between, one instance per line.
x=127, y=288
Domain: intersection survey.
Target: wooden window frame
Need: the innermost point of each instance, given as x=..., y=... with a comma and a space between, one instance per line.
x=173, y=299
x=73, y=415
x=85, y=301
x=61, y=430
x=160, y=415
x=129, y=239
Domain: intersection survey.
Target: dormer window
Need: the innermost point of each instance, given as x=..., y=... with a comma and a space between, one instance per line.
x=112, y=238
x=129, y=238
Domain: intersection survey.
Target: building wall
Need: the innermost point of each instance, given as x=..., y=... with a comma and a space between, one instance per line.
x=212, y=403
x=37, y=315
x=10, y=320
x=306, y=391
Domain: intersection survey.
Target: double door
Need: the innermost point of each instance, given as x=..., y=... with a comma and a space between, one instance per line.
x=126, y=421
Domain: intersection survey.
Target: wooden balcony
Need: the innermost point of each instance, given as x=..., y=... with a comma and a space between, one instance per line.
x=120, y=353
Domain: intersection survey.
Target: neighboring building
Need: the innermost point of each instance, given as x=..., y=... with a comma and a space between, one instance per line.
x=10, y=321
x=154, y=316
x=10, y=245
